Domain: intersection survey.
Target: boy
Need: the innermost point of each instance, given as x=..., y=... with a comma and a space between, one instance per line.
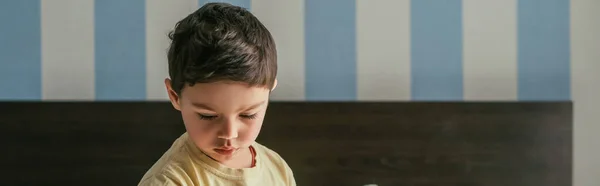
x=222, y=68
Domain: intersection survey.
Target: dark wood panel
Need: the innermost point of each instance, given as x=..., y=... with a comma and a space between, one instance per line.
x=424, y=143
x=336, y=143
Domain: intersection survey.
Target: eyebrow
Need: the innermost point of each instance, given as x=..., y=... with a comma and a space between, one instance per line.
x=202, y=106
x=206, y=107
x=254, y=106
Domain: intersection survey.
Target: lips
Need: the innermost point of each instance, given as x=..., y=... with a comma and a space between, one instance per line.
x=225, y=151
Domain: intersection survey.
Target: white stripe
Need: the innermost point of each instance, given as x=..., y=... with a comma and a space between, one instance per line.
x=490, y=49
x=161, y=17
x=285, y=21
x=383, y=49
x=585, y=83
x=67, y=49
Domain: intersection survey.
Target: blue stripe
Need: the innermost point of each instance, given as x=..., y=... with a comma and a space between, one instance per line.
x=20, y=50
x=544, y=50
x=120, y=46
x=242, y=3
x=436, y=50
x=330, y=31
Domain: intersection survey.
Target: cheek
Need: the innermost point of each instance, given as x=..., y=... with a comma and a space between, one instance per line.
x=252, y=129
x=196, y=127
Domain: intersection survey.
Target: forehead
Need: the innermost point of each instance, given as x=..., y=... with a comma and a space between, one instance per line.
x=224, y=93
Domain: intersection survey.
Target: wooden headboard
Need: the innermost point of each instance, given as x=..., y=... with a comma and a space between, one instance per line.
x=334, y=143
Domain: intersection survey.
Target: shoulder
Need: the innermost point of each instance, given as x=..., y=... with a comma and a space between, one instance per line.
x=160, y=180
x=165, y=173
x=171, y=168
x=273, y=161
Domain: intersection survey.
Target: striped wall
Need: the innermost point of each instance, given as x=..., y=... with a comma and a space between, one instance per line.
x=329, y=50
x=334, y=50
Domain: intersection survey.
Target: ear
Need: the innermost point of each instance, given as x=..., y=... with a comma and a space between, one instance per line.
x=175, y=101
x=274, y=85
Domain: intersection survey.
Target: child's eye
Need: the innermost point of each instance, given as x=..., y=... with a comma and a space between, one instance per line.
x=251, y=116
x=206, y=117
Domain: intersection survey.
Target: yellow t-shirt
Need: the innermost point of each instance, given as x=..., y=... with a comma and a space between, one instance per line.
x=184, y=164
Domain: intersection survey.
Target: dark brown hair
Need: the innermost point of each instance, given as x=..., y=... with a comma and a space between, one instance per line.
x=220, y=41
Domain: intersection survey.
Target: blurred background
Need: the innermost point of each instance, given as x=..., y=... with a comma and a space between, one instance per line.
x=329, y=50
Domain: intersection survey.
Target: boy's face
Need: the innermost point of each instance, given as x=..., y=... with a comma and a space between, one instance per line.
x=222, y=118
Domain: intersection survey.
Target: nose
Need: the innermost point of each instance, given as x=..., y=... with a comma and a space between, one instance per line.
x=229, y=130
